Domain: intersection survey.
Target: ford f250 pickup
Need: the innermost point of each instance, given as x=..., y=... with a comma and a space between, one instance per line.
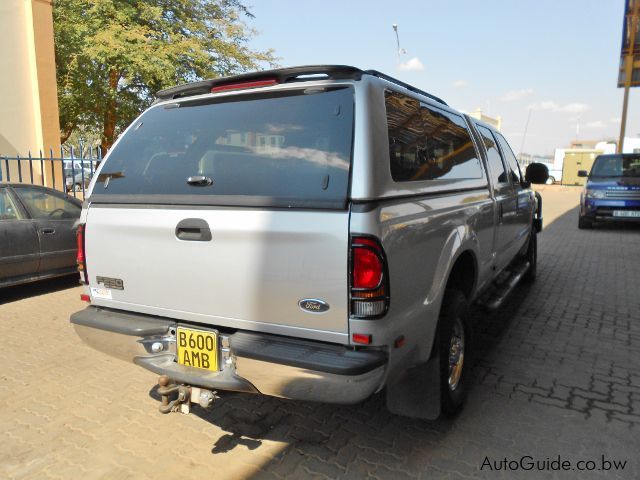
x=315, y=233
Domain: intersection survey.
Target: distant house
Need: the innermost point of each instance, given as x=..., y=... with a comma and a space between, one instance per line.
x=494, y=122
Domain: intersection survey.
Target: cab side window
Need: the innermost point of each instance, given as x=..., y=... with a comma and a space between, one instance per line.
x=428, y=143
x=496, y=167
x=512, y=162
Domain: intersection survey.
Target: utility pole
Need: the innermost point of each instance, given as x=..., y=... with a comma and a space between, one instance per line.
x=632, y=25
x=524, y=135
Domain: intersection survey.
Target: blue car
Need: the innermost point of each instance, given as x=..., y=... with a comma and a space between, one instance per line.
x=612, y=192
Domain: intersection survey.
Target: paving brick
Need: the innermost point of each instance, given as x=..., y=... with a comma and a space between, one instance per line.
x=578, y=392
x=599, y=386
x=561, y=392
x=558, y=370
x=621, y=398
x=612, y=407
x=326, y=469
x=625, y=417
x=579, y=403
x=384, y=473
x=531, y=390
x=504, y=388
x=549, y=401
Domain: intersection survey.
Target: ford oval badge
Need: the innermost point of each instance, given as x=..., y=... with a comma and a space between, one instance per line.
x=313, y=305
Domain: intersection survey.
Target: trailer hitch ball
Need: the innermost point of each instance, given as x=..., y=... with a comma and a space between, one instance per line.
x=185, y=396
x=206, y=398
x=163, y=380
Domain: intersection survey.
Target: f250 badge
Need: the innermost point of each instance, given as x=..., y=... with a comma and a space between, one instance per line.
x=108, y=282
x=313, y=305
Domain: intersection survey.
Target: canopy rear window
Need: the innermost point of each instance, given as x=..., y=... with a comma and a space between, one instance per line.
x=284, y=149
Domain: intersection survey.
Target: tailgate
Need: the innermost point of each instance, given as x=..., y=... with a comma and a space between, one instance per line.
x=251, y=274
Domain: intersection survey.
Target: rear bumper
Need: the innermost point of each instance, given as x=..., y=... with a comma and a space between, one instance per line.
x=250, y=362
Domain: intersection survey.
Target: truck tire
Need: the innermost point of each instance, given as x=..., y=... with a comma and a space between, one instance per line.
x=532, y=258
x=454, y=334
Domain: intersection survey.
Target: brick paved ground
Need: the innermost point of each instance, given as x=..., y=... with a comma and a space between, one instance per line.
x=558, y=373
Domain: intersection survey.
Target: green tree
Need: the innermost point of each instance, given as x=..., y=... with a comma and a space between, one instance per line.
x=113, y=55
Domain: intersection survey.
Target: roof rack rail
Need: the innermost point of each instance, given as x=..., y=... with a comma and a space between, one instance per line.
x=386, y=77
x=281, y=75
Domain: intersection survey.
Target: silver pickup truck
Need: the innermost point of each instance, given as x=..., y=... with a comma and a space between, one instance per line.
x=314, y=233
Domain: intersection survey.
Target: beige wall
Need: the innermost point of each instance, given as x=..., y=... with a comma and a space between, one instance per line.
x=28, y=95
x=46, y=68
x=496, y=122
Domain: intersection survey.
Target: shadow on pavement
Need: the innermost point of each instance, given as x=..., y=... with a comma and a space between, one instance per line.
x=34, y=289
x=350, y=440
x=345, y=435
x=617, y=226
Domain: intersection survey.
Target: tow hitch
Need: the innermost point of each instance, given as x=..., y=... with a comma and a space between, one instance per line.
x=186, y=395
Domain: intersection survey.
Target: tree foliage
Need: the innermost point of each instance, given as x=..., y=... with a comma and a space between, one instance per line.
x=113, y=55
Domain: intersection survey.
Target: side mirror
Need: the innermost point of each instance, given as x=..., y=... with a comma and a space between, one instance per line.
x=537, y=173
x=583, y=173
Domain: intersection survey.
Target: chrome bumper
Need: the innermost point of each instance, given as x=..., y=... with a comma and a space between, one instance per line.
x=239, y=371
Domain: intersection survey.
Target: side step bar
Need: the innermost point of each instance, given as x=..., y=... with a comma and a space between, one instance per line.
x=497, y=294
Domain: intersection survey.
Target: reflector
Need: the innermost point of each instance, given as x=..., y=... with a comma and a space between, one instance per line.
x=81, y=259
x=361, y=338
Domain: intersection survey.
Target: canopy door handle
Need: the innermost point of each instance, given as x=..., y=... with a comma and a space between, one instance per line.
x=193, y=230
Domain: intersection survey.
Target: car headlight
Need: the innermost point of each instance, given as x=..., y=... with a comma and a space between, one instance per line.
x=596, y=193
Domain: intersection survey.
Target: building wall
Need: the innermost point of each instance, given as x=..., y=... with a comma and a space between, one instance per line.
x=28, y=94
x=495, y=122
x=46, y=72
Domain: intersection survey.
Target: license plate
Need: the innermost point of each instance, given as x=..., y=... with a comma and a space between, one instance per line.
x=197, y=348
x=626, y=213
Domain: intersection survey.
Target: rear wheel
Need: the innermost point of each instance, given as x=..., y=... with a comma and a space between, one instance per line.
x=455, y=347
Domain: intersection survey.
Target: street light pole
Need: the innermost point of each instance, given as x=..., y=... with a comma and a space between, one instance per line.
x=398, y=49
x=395, y=29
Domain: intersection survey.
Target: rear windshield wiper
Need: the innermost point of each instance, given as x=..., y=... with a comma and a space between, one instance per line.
x=107, y=176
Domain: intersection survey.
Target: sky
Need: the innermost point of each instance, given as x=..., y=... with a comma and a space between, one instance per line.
x=556, y=59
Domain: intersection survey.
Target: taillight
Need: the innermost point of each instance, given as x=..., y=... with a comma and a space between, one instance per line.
x=81, y=259
x=369, y=281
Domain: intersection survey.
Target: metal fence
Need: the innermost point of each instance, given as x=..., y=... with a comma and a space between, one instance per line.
x=69, y=172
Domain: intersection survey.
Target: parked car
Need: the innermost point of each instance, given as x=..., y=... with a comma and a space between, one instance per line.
x=77, y=174
x=76, y=182
x=37, y=233
x=612, y=191
x=314, y=233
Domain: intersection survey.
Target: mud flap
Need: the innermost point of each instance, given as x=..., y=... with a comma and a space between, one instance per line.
x=417, y=393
